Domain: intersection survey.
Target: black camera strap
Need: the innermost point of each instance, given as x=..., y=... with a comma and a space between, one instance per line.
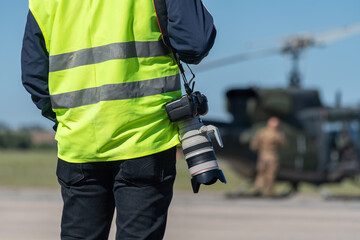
x=187, y=84
x=162, y=18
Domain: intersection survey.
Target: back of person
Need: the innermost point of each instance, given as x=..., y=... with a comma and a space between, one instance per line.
x=100, y=71
x=110, y=75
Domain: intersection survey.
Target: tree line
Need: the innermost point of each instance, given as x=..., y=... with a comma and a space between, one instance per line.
x=26, y=138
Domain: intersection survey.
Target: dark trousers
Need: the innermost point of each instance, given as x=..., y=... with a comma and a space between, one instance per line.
x=139, y=189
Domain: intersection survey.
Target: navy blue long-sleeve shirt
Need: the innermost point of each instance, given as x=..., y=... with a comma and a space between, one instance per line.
x=191, y=33
x=35, y=67
x=190, y=28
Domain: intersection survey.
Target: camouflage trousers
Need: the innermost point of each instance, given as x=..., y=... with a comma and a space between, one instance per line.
x=265, y=177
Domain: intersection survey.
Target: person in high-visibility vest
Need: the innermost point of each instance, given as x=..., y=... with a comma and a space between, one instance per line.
x=101, y=72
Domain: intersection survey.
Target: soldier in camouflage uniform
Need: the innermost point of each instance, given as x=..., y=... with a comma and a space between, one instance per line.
x=266, y=142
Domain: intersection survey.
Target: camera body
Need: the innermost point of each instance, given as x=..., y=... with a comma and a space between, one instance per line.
x=192, y=105
x=193, y=134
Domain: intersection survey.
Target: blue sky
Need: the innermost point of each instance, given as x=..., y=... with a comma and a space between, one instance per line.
x=334, y=67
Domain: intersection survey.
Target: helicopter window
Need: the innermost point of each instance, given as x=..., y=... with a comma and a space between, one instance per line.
x=350, y=129
x=343, y=140
x=354, y=131
x=332, y=127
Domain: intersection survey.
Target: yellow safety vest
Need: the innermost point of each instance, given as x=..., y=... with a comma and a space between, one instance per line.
x=109, y=78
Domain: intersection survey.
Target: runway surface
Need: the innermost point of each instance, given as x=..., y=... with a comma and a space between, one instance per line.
x=34, y=214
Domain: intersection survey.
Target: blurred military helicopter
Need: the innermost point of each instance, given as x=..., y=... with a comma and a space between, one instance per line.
x=323, y=143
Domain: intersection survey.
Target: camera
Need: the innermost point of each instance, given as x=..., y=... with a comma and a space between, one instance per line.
x=189, y=105
x=193, y=134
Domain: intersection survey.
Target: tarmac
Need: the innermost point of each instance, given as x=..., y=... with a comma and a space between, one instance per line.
x=34, y=214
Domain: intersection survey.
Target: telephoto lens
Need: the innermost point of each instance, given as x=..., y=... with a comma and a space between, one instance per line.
x=199, y=153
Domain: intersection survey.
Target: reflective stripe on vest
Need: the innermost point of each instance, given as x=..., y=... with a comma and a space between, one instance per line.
x=116, y=92
x=108, y=52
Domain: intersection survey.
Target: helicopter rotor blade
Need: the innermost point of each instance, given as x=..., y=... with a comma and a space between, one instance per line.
x=235, y=59
x=291, y=44
x=331, y=36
